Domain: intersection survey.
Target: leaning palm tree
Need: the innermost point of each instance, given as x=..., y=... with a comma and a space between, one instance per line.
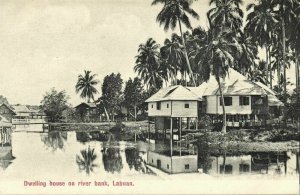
x=148, y=63
x=215, y=57
x=173, y=12
x=86, y=85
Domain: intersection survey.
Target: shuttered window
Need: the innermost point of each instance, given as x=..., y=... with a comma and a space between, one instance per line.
x=244, y=100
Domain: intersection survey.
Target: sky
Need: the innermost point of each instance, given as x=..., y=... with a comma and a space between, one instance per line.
x=47, y=44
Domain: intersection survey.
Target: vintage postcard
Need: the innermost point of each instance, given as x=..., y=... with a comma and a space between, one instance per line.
x=149, y=96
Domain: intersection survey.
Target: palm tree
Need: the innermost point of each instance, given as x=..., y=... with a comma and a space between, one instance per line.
x=260, y=26
x=85, y=161
x=285, y=11
x=86, y=85
x=173, y=57
x=173, y=12
x=148, y=63
x=226, y=13
x=215, y=57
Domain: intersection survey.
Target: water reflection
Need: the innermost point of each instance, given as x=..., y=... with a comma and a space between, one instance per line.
x=85, y=161
x=54, y=140
x=134, y=160
x=277, y=163
x=112, y=159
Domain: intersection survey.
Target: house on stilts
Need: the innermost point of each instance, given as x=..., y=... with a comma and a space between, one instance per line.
x=176, y=110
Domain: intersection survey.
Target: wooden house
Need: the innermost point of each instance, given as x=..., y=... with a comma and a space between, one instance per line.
x=247, y=103
x=7, y=112
x=173, y=108
x=87, y=112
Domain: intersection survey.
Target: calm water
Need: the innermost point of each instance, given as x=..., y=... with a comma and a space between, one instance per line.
x=68, y=155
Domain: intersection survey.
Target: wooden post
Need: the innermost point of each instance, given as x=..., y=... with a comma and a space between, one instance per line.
x=180, y=128
x=171, y=137
x=1, y=128
x=149, y=131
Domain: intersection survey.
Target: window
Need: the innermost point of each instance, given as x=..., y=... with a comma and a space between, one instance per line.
x=244, y=168
x=151, y=105
x=158, y=105
x=228, y=169
x=167, y=166
x=244, y=100
x=186, y=105
x=187, y=166
x=167, y=105
x=227, y=101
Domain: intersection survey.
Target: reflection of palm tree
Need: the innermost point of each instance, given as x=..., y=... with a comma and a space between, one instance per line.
x=112, y=160
x=134, y=160
x=54, y=140
x=85, y=161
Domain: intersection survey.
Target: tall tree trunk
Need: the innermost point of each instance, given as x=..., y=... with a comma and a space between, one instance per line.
x=186, y=56
x=278, y=75
x=270, y=69
x=283, y=58
x=135, y=112
x=297, y=88
x=267, y=65
x=284, y=68
x=223, y=105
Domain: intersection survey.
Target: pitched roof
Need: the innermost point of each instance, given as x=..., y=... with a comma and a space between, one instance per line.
x=21, y=109
x=236, y=84
x=91, y=105
x=177, y=92
x=8, y=106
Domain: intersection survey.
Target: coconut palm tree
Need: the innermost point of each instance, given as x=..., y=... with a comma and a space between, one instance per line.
x=260, y=27
x=86, y=85
x=172, y=55
x=285, y=11
x=176, y=12
x=226, y=13
x=215, y=57
x=148, y=63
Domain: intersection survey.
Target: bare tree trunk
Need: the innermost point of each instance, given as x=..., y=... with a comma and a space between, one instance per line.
x=270, y=69
x=297, y=88
x=223, y=106
x=135, y=112
x=267, y=65
x=284, y=69
x=186, y=56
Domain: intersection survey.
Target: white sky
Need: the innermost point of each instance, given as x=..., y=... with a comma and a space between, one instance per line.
x=47, y=44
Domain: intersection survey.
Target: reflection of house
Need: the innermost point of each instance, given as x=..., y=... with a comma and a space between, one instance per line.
x=233, y=164
x=87, y=111
x=7, y=112
x=173, y=164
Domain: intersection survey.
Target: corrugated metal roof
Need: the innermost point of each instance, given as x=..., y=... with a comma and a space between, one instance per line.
x=177, y=92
